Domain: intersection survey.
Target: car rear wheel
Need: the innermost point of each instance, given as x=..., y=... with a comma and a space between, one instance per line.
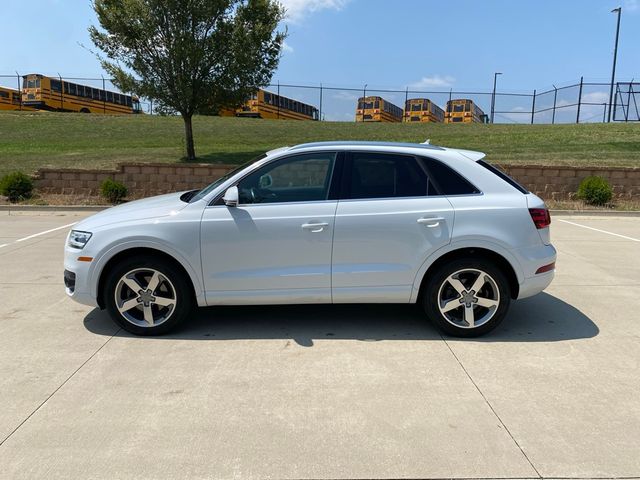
x=467, y=297
x=147, y=296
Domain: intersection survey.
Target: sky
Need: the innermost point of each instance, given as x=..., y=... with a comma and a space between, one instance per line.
x=415, y=44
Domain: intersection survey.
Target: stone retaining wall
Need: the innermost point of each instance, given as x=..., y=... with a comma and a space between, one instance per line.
x=141, y=180
x=146, y=179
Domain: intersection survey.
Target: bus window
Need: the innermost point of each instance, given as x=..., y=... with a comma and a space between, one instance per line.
x=56, y=86
x=110, y=97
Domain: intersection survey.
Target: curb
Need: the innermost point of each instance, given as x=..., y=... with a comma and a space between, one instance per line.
x=99, y=208
x=596, y=213
x=53, y=208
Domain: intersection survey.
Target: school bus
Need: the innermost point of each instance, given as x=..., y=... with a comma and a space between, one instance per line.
x=10, y=100
x=463, y=110
x=422, y=110
x=264, y=104
x=377, y=109
x=46, y=93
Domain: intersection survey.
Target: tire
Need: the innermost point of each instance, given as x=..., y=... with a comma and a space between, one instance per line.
x=152, y=309
x=456, y=308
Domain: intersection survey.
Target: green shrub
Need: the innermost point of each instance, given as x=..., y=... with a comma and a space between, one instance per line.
x=16, y=186
x=113, y=191
x=595, y=191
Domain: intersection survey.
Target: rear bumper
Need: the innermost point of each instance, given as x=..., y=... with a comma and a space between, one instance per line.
x=531, y=259
x=533, y=285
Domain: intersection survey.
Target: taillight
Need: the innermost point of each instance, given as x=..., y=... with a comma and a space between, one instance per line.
x=541, y=217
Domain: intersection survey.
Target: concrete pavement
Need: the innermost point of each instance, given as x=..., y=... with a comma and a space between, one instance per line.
x=324, y=391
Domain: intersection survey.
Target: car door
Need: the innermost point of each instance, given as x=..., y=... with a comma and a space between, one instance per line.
x=389, y=219
x=275, y=245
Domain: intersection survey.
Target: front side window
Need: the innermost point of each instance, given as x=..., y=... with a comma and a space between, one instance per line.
x=375, y=175
x=303, y=178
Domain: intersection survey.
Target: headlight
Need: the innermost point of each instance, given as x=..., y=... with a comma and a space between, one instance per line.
x=78, y=239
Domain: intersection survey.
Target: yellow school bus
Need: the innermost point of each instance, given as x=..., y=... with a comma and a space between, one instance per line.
x=10, y=100
x=422, y=110
x=463, y=110
x=377, y=109
x=47, y=93
x=264, y=104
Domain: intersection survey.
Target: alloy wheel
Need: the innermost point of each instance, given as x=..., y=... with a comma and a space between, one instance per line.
x=468, y=298
x=145, y=297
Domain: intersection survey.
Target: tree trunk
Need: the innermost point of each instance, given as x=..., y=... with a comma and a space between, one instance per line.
x=188, y=132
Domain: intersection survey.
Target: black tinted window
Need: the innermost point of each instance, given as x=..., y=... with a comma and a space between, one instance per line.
x=447, y=181
x=385, y=176
x=503, y=176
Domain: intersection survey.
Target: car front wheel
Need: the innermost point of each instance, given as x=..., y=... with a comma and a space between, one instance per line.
x=467, y=297
x=147, y=296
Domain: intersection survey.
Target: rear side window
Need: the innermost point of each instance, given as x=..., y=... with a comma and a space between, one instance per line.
x=447, y=181
x=375, y=175
x=503, y=176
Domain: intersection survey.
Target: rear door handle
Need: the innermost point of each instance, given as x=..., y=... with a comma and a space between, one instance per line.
x=314, y=227
x=431, y=221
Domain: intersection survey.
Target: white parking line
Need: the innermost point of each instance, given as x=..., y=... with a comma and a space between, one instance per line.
x=601, y=231
x=40, y=233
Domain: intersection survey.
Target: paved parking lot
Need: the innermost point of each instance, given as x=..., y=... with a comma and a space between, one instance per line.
x=324, y=391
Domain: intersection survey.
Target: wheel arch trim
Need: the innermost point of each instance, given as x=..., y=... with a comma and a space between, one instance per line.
x=460, y=246
x=98, y=266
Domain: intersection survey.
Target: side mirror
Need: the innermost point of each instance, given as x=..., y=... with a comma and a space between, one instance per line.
x=230, y=197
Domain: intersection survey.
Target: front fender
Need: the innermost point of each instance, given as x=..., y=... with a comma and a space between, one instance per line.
x=98, y=264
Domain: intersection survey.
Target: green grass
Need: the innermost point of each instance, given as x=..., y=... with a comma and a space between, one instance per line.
x=32, y=140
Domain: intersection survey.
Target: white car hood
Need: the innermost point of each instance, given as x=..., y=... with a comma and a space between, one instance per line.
x=152, y=207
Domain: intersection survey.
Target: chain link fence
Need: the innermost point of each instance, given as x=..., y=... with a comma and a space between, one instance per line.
x=582, y=102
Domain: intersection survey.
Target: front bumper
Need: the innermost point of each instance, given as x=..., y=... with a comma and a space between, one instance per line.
x=77, y=277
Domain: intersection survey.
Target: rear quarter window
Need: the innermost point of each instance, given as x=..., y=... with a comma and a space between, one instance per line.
x=503, y=176
x=447, y=181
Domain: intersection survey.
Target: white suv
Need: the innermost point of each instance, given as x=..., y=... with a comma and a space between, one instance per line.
x=330, y=222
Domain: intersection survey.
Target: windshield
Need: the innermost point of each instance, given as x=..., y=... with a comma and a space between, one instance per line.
x=210, y=188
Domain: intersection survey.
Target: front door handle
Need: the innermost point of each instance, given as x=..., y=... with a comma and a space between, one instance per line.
x=431, y=222
x=314, y=227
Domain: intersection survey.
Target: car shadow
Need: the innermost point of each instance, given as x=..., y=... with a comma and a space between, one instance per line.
x=543, y=318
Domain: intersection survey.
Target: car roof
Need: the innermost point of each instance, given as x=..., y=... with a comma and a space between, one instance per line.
x=346, y=144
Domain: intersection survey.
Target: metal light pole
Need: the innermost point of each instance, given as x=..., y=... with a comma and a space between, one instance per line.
x=493, y=95
x=615, y=57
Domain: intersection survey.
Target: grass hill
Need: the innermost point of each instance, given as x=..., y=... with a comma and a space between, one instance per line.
x=32, y=140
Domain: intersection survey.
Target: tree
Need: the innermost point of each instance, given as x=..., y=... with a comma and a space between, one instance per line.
x=189, y=55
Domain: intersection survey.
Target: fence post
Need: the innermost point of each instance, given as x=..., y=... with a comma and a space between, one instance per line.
x=151, y=106
x=406, y=99
x=364, y=101
x=320, y=111
x=61, y=93
x=533, y=107
x=626, y=115
x=579, y=100
x=555, y=97
x=278, y=100
x=104, y=96
x=19, y=89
